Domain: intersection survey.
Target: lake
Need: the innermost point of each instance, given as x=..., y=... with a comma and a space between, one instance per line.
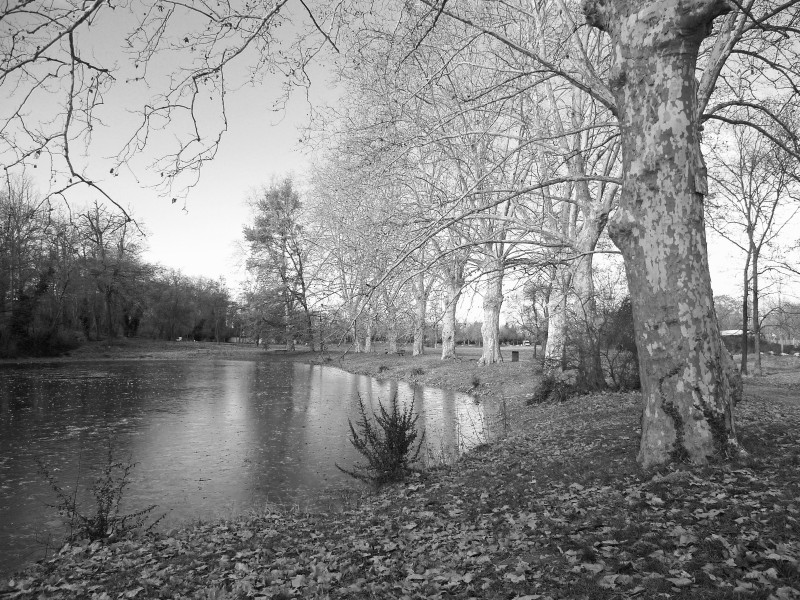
x=210, y=438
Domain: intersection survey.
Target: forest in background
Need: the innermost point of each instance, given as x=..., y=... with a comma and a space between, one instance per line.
x=69, y=276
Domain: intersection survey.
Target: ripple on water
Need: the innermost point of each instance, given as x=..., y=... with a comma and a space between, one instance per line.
x=209, y=438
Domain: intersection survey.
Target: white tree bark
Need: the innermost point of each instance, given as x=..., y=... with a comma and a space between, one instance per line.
x=572, y=310
x=358, y=345
x=557, y=320
x=492, y=303
x=452, y=295
x=368, y=333
x=687, y=375
x=572, y=313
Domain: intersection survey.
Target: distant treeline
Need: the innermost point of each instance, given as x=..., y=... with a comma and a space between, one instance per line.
x=68, y=276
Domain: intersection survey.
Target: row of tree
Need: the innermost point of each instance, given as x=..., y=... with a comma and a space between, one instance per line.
x=72, y=275
x=494, y=146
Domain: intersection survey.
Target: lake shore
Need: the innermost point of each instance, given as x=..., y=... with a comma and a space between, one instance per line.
x=512, y=381
x=558, y=509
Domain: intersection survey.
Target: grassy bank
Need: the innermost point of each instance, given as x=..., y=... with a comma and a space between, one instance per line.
x=559, y=509
x=142, y=349
x=506, y=379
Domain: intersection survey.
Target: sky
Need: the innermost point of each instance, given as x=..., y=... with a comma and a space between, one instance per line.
x=201, y=233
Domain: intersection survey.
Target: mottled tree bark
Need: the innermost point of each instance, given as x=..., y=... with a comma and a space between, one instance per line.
x=453, y=287
x=555, y=348
x=368, y=333
x=687, y=380
x=492, y=303
x=449, y=322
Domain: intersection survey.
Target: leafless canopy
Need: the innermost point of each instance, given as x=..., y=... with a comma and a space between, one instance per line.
x=142, y=83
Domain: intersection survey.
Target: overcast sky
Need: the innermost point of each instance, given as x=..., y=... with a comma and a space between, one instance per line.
x=198, y=234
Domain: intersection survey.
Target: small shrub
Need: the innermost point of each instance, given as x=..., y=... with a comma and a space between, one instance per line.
x=382, y=368
x=623, y=370
x=417, y=371
x=553, y=386
x=618, y=340
x=105, y=518
x=390, y=443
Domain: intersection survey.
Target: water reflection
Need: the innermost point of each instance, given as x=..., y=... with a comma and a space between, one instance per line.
x=210, y=438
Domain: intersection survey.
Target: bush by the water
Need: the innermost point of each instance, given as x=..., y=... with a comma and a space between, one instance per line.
x=389, y=441
x=598, y=355
x=104, y=518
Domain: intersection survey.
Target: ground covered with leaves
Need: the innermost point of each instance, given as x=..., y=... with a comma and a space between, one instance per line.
x=559, y=509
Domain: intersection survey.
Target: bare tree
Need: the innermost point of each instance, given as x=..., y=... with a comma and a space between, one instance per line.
x=279, y=253
x=756, y=194
x=62, y=76
x=111, y=248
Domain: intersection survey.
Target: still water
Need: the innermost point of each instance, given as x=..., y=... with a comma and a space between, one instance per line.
x=210, y=439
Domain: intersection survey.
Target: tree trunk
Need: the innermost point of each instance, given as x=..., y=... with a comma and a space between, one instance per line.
x=309, y=330
x=688, y=380
x=358, y=347
x=745, y=316
x=290, y=344
x=449, y=332
x=368, y=332
x=585, y=311
x=452, y=294
x=757, y=370
x=391, y=326
x=492, y=303
x=556, y=346
x=421, y=301
x=572, y=338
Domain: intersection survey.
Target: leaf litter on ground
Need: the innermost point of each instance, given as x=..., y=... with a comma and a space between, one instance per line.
x=559, y=509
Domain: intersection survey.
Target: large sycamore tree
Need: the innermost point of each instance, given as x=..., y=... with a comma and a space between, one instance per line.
x=687, y=379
